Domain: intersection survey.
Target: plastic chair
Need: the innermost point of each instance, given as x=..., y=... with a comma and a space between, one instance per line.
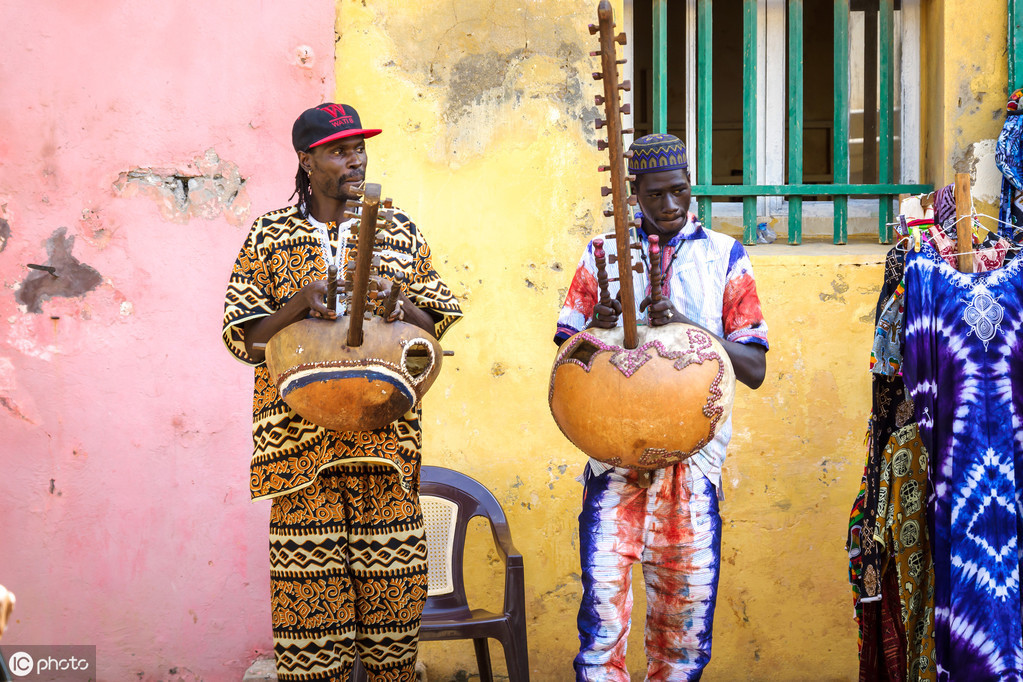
x=449, y=500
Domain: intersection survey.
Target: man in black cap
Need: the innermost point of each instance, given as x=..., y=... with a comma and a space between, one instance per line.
x=347, y=545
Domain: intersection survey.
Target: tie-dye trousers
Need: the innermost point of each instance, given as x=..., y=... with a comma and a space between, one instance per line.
x=673, y=528
x=347, y=575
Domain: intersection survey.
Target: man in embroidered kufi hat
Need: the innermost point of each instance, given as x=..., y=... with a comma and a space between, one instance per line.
x=668, y=518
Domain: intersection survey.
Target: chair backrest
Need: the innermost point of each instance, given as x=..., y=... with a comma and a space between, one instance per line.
x=449, y=500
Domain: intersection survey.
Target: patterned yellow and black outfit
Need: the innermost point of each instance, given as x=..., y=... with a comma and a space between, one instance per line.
x=347, y=547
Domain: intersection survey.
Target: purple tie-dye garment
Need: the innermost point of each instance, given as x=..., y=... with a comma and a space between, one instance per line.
x=964, y=369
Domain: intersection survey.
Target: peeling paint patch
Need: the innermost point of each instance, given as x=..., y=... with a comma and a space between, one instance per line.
x=839, y=287
x=12, y=407
x=73, y=278
x=985, y=177
x=207, y=188
x=5, y=233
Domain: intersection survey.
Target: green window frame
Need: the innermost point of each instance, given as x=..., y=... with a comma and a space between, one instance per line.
x=840, y=191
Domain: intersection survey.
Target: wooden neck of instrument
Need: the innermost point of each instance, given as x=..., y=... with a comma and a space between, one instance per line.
x=619, y=195
x=363, y=263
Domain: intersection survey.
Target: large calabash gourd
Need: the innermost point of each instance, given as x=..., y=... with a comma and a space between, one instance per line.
x=358, y=372
x=647, y=407
x=346, y=388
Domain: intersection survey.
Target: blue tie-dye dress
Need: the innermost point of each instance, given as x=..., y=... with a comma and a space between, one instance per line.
x=964, y=370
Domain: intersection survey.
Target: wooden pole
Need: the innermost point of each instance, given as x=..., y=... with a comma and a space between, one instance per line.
x=964, y=223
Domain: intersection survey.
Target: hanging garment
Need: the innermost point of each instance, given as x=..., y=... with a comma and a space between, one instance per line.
x=963, y=367
x=883, y=656
x=1009, y=159
x=901, y=534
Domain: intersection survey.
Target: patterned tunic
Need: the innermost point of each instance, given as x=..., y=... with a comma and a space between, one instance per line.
x=964, y=369
x=282, y=254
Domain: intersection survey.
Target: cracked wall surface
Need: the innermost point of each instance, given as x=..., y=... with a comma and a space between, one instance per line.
x=206, y=188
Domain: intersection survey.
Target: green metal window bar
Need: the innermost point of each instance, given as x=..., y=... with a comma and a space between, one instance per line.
x=795, y=190
x=1015, y=47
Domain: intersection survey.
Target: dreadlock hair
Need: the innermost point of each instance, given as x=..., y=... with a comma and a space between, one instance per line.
x=303, y=191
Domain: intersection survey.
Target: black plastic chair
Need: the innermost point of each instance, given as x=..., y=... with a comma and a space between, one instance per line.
x=450, y=499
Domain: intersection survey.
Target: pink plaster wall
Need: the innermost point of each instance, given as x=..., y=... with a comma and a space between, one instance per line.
x=146, y=544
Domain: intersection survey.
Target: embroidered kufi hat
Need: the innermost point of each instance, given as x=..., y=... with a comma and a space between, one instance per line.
x=656, y=153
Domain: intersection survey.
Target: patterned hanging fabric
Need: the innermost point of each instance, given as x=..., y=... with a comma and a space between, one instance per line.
x=963, y=367
x=1009, y=159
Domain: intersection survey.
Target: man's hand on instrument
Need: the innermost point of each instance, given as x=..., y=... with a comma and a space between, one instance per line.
x=663, y=312
x=314, y=296
x=606, y=316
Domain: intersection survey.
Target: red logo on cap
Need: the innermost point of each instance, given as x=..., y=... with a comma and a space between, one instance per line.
x=341, y=116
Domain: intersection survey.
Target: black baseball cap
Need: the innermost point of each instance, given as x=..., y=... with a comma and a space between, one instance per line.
x=325, y=123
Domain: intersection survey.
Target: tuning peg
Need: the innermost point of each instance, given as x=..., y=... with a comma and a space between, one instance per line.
x=604, y=191
x=358, y=191
x=625, y=85
x=638, y=267
x=593, y=29
x=595, y=53
x=600, y=123
x=630, y=178
x=629, y=154
x=598, y=99
x=631, y=201
x=621, y=39
x=601, y=145
x=608, y=213
x=612, y=258
x=621, y=61
x=388, y=203
x=350, y=214
x=603, y=169
x=597, y=75
x=392, y=299
x=626, y=108
x=628, y=131
x=637, y=223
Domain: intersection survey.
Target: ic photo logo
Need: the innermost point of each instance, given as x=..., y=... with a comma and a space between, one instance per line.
x=56, y=663
x=21, y=664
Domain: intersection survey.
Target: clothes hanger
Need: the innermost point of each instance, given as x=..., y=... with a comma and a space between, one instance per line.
x=1015, y=228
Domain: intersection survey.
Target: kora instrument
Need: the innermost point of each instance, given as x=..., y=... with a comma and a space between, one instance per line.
x=635, y=396
x=357, y=372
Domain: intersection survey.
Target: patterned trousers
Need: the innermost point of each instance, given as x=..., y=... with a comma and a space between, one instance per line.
x=347, y=575
x=673, y=528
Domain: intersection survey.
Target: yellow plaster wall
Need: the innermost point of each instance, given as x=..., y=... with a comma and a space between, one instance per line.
x=965, y=86
x=487, y=109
